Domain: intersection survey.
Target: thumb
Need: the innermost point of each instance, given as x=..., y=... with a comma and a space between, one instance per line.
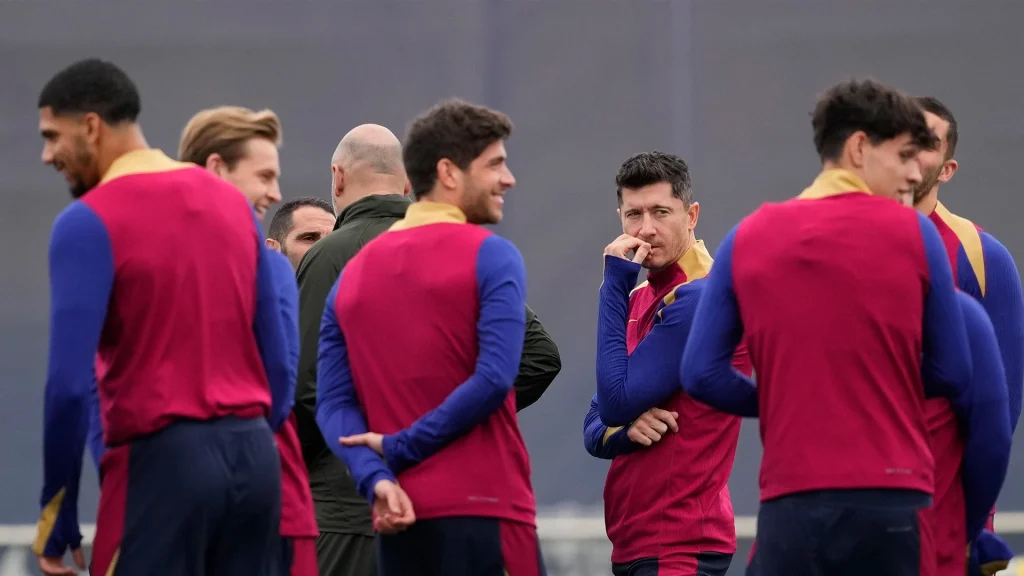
x=79, y=557
x=394, y=502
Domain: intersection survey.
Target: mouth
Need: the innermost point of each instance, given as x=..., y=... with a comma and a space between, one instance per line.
x=261, y=210
x=499, y=198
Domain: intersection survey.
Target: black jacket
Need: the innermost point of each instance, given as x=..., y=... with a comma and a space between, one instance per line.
x=339, y=507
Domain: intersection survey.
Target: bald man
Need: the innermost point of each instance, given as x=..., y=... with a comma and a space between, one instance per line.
x=369, y=190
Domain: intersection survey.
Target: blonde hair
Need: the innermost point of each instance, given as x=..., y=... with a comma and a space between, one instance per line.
x=224, y=131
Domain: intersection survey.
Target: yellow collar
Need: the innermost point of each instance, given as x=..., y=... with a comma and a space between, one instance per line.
x=834, y=182
x=144, y=161
x=426, y=212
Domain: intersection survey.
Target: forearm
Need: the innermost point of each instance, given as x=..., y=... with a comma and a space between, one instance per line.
x=337, y=419
x=603, y=442
x=95, y=438
x=985, y=462
x=276, y=338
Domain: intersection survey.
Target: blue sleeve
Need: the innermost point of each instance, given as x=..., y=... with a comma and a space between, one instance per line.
x=501, y=330
x=288, y=307
x=985, y=420
x=1004, y=302
x=707, y=371
x=273, y=336
x=338, y=412
x=604, y=442
x=630, y=384
x=946, y=359
x=95, y=441
x=81, y=281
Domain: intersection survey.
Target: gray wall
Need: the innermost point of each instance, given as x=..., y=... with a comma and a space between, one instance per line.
x=726, y=84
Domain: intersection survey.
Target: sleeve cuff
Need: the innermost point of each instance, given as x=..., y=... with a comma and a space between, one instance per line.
x=621, y=271
x=392, y=456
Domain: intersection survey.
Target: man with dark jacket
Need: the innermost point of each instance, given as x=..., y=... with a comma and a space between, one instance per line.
x=369, y=193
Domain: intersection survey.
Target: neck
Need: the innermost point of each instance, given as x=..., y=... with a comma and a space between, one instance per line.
x=926, y=205
x=355, y=191
x=122, y=140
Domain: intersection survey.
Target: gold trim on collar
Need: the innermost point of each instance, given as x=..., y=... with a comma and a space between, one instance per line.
x=833, y=182
x=425, y=212
x=144, y=161
x=696, y=261
x=968, y=235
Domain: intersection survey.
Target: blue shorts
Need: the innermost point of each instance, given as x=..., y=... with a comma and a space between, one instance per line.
x=196, y=498
x=840, y=533
x=461, y=546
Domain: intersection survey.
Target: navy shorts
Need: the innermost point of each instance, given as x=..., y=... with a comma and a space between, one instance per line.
x=461, y=546
x=196, y=498
x=705, y=564
x=840, y=533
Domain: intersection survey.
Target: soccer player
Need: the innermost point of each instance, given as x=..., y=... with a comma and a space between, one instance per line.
x=984, y=269
x=297, y=225
x=370, y=189
x=667, y=508
x=184, y=342
x=450, y=295
x=846, y=301
x=241, y=146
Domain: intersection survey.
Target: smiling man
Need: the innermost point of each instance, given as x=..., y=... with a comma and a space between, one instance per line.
x=297, y=225
x=240, y=146
x=449, y=295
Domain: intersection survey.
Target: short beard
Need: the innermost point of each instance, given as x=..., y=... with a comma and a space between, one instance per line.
x=926, y=185
x=83, y=158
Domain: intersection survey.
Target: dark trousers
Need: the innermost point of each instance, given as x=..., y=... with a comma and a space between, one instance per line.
x=346, y=554
x=705, y=564
x=462, y=546
x=195, y=499
x=840, y=533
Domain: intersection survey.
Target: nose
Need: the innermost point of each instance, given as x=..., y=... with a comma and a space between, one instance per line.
x=47, y=155
x=507, y=179
x=915, y=176
x=647, y=226
x=274, y=193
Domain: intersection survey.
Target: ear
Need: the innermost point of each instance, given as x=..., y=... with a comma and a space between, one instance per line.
x=948, y=169
x=92, y=123
x=408, y=187
x=337, y=180
x=273, y=244
x=693, y=214
x=214, y=163
x=856, y=148
x=448, y=173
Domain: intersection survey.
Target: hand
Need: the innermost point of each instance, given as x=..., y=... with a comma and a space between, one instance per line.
x=625, y=244
x=392, y=509
x=54, y=565
x=652, y=425
x=371, y=439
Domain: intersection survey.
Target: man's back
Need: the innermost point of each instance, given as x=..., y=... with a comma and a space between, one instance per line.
x=417, y=286
x=835, y=333
x=178, y=341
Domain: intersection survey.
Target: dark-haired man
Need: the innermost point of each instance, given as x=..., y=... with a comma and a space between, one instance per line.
x=297, y=225
x=984, y=269
x=667, y=507
x=369, y=189
x=846, y=330
x=450, y=295
x=191, y=464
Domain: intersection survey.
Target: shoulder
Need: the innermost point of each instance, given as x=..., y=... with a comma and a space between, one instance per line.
x=495, y=252
x=994, y=249
x=79, y=219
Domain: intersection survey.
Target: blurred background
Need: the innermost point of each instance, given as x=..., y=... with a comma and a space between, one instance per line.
x=726, y=84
